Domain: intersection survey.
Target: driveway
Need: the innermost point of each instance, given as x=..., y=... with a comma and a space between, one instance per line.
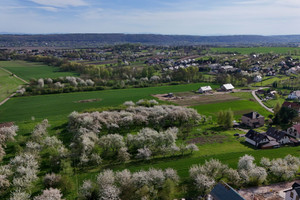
x=260, y=102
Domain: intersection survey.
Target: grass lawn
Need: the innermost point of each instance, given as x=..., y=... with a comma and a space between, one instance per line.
x=28, y=70
x=245, y=104
x=249, y=50
x=8, y=84
x=59, y=106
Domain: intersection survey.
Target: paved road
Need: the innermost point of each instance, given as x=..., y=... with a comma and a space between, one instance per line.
x=260, y=102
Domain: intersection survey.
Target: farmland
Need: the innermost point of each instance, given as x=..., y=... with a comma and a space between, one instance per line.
x=29, y=70
x=8, y=84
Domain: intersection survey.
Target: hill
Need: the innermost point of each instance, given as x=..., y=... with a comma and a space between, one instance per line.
x=93, y=40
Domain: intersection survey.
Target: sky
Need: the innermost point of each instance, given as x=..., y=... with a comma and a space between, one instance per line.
x=175, y=17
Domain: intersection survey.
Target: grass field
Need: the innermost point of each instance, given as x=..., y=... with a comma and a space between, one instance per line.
x=268, y=81
x=28, y=70
x=8, y=84
x=249, y=50
x=59, y=106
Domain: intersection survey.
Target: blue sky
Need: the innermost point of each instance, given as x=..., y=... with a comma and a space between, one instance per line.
x=189, y=17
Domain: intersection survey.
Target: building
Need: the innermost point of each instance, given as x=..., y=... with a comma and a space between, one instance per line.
x=280, y=136
x=205, y=89
x=227, y=87
x=223, y=191
x=253, y=120
x=261, y=140
x=294, y=131
x=294, y=95
x=292, y=105
x=293, y=193
x=257, y=78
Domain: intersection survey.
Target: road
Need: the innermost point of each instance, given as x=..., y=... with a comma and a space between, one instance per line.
x=260, y=102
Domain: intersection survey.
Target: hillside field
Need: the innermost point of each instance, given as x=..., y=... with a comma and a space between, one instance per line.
x=8, y=84
x=29, y=70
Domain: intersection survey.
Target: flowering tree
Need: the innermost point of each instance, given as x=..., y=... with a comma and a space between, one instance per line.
x=50, y=194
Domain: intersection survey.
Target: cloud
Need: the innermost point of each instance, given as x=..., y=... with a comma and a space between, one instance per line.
x=48, y=8
x=61, y=3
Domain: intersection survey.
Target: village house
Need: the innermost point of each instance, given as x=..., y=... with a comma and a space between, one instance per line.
x=292, y=105
x=227, y=87
x=294, y=131
x=294, y=95
x=205, y=89
x=257, y=78
x=261, y=140
x=280, y=136
x=253, y=120
x=293, y=193
x=223, y=191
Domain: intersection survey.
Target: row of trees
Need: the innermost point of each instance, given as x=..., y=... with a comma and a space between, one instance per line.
x=158, y=116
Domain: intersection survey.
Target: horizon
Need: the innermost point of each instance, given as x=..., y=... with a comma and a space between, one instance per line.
x=177, y=17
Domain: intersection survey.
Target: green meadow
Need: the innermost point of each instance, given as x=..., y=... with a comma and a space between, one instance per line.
x=8, y=84
x=29, y=70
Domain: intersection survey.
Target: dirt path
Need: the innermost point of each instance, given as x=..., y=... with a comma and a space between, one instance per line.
x=260, y=102
x=14, y=75
x=13, y=94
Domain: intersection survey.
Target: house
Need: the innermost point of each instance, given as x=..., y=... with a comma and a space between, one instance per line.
x=280, y=136
x=294, y=131
x=227, y=87
x=205, y=89
x=261, y=140
x=253, y=120
x=293, y=105
x=257, y=78
x=293, y=193
x=294, y=95
x=223, y=191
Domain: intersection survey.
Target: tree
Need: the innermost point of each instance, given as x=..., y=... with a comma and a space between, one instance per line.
x=225, y=119
x=50, y=194
x=192, y=147
x=285, y=116
x=277, y=108
x=123, y=155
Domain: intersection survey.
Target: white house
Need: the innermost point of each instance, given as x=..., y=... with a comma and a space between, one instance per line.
x=227, y=87
x=257, y=78
x=294, y=95
x=205, y=89
x=294, y=131
x=261, y=140
x=293, y=193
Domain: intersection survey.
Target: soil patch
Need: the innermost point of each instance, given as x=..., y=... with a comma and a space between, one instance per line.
x=87, y=100
x=193, y=99
x=208, y=139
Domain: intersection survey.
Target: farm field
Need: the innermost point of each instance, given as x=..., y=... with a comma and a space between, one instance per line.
x=8, y=84
x=249, y=50
x=60, y=106
x=29, y=70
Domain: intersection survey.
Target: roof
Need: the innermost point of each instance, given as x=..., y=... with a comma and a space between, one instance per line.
x=256, y=136
x=6, y=124
x=228, y=86
x=223, y=191
x=205, y=88
x=253, y=115
x=277, y=134
x=293, y=105
x=296, y=93
x=270, y=144
x=296, y=187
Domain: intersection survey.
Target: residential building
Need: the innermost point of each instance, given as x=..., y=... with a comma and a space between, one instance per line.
x=294, y=131
x=293, y=105
x=261, y=140
x=227, y=87
x=205, y=89
x=280, y=136
x=257, y=78
x=253, y=120
x=293, y=193
x=294, y=95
